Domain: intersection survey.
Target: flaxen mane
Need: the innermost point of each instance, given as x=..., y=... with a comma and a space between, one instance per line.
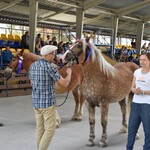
x=106, y=67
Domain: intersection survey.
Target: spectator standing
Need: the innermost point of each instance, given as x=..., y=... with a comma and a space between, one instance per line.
x=47, y=42
x=60, y=49
x=140, y=107
x=43, y=75
x=54, y=41
x=66, y=46
x=38, y=46
x=7, y=55
x=133, y=43
x=39, y=38
x=25, y=40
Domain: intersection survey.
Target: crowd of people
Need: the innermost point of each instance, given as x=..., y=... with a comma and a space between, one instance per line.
x=39, y=43
x=7, y=55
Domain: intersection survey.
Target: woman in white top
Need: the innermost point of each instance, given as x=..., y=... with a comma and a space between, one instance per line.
x=140, y=107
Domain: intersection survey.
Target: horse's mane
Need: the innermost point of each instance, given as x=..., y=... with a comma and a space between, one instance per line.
x=106, y=67
x=31, y=56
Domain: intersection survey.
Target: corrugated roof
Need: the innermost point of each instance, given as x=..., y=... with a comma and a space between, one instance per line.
x=97, y=13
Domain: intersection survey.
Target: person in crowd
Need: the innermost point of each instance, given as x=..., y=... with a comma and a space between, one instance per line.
x=60, y=49
x=136, y=60
x=25, y=40
x=133, y=43
x=7, y=55
x=123, y=56
x=140, y=107
x=54, y=41
x=38, y=46
x=47, y=42
x=66, y=46
x=143, y=46
x=43, y=76
x=148, y=48
x=39, y=38
x=130, y=58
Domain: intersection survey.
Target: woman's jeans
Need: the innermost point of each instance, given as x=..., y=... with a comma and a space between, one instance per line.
x=139, y=113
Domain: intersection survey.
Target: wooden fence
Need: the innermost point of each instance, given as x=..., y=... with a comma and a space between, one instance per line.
x=17, y=85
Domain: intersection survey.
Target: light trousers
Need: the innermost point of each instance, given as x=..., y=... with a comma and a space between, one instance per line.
x=45, y=126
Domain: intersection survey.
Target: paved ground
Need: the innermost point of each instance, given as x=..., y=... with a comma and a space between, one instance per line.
x=18, y=132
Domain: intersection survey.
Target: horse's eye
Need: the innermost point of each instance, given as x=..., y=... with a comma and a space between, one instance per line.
x=79, y=46
x=13, y=60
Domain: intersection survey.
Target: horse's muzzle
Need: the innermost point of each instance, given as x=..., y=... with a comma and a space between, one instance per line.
x=69, y=56
x=8, y=73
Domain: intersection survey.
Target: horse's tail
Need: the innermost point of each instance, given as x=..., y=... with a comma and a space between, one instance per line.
x=130, y=97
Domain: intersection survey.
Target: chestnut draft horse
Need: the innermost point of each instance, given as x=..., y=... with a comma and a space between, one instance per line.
x=76, y=80
x=102, y=84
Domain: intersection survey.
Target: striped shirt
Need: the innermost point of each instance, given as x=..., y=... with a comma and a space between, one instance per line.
x=43, y=76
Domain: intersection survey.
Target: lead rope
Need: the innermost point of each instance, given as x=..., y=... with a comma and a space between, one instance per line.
x=67, y=91
x=64, y=100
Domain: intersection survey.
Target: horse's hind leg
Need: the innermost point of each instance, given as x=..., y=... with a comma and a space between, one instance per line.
x=104, y=118
x=122, y=104
x=76, y=99
x=91, y=111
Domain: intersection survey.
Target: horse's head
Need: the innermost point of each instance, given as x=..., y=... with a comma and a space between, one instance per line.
x=14, y=65
x=80, y=52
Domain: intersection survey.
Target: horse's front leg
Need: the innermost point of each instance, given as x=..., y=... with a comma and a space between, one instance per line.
x=123, y=107
x=104, y=117
x=81, y=100
x=91, y=111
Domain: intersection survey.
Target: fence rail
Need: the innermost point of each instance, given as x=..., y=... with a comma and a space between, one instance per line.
x=17, y=85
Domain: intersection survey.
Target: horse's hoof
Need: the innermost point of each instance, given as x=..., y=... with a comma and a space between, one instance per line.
x=123, y=130
x=1, y=125
x=76, y=119
x=137, y=136
x=90, y=144
x=103, y=143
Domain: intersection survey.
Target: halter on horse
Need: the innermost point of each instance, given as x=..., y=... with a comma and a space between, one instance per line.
x=102, y=84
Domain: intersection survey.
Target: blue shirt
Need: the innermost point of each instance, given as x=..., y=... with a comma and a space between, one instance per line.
x=7, y=56
x=43, y=76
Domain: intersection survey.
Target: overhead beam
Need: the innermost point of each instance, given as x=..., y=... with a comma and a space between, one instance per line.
x=8, y=5
x=132, y=8
x=63, y=3
x=91, y=3
x=56, y=13
x=86, y=21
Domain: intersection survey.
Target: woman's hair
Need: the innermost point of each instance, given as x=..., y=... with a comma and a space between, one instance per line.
x=147, y=54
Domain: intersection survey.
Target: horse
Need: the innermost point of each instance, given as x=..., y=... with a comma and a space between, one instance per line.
x=102, y=84
x=74, y=85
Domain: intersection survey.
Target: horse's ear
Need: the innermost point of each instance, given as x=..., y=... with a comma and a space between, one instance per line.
x=21, y=52
x=91, y=36
x=87, y=39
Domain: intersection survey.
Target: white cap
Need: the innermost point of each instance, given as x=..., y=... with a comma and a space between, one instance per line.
x=47, y=49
